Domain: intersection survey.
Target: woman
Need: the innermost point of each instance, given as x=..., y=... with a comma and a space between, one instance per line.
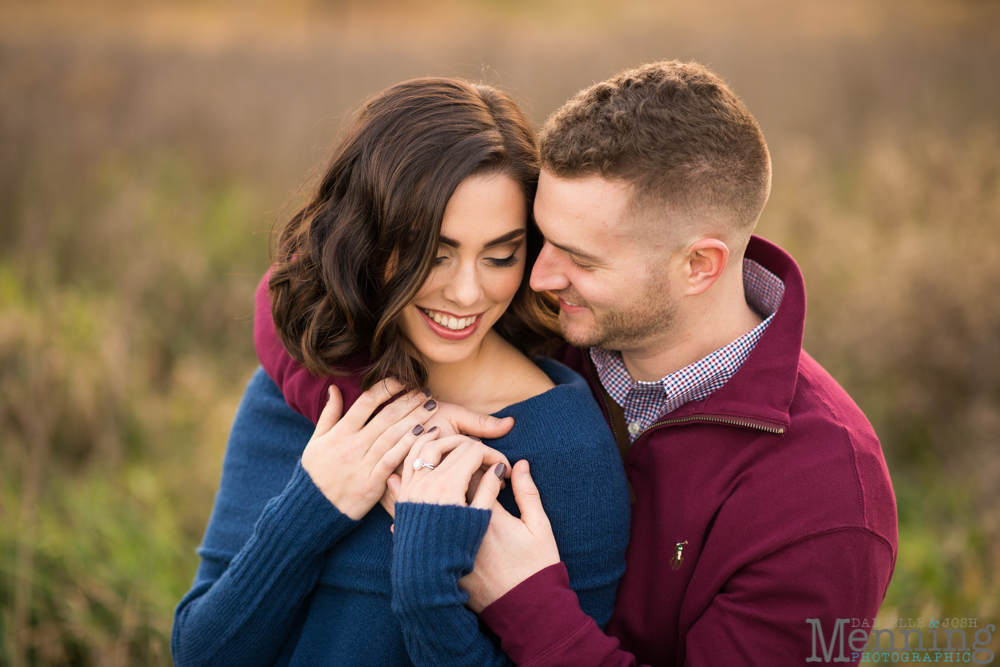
x=411, y=261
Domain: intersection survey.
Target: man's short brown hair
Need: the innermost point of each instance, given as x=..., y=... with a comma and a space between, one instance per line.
x=675, y=132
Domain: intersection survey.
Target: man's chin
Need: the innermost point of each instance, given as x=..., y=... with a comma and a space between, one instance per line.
x=578, y=336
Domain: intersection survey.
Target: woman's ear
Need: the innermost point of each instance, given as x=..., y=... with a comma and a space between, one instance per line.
x=705, y=259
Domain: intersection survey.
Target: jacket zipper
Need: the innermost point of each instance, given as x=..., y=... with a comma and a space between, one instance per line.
x=778, y=430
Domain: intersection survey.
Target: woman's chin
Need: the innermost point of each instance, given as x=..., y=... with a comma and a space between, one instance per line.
x=448, y=352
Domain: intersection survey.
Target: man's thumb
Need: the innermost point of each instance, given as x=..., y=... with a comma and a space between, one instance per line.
x=526, y=495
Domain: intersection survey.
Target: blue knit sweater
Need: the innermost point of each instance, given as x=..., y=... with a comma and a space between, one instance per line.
x=286, y=579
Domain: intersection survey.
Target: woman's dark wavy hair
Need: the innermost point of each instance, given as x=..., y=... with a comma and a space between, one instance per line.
x=351, y=259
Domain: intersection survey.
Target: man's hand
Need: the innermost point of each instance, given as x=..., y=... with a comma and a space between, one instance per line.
x=513, y=549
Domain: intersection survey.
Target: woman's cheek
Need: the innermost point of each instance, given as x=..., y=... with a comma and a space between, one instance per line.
x=508, y=285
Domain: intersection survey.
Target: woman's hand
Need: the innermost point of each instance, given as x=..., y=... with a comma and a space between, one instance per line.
x=349, y=459
x=451, y=470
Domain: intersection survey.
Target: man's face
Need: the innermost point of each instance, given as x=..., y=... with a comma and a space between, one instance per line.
x=610, y=278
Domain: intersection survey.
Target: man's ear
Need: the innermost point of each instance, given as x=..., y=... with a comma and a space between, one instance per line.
x=706, y=259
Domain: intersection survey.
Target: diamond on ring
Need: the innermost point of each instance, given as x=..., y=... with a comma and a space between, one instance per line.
x=420, y=463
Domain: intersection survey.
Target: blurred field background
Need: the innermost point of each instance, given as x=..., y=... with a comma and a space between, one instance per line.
x=147, y=149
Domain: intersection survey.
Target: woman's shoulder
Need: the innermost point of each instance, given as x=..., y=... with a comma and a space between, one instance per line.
x=565, y=416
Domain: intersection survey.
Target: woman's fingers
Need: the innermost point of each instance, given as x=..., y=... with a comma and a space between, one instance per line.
x=489, y=487
x=331, y=412
x=414, y=453
x=368, y=402
x=415, y=402
x=463, y=420
x=391, y=460
x=437, y=451
x=407, y=429
x=456, y=460
x=388, y=499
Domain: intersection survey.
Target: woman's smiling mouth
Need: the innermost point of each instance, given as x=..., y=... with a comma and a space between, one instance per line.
x=449, y=327
x=450, y=321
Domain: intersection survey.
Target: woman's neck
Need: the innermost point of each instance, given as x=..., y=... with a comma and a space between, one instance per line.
x=485, y=381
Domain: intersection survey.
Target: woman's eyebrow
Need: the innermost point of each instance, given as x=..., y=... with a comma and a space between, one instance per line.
x=500, y=240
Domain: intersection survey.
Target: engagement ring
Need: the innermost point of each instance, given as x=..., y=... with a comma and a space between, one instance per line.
x=420, y=463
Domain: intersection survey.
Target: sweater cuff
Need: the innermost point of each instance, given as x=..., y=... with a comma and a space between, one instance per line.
x=433, y=547
x=304, y=516
x=537, y=616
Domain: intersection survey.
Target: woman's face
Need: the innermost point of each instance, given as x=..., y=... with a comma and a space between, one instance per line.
x=477, y=270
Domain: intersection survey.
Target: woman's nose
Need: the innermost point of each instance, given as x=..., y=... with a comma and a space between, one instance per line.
x=464, y=289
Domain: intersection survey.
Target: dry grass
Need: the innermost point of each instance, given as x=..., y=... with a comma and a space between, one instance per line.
x=146, y=149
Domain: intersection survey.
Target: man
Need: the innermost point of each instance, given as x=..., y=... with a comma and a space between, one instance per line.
x=761, y=496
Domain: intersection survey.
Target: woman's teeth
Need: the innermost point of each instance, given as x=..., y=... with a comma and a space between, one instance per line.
x=450, y=322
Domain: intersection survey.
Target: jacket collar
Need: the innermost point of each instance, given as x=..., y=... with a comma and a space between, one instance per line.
x=760, y=393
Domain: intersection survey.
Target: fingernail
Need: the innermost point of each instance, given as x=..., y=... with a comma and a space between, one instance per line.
x=427, y=392
x=418, y=429
x=500, y=470
x=433, y=428
x=430, y=405
x=472, y=437
x=329, y=393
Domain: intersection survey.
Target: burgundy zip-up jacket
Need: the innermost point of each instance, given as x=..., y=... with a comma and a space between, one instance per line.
x=777, y=488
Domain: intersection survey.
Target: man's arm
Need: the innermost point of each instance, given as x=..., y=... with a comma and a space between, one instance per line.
x=521, y=590
x=758, y=616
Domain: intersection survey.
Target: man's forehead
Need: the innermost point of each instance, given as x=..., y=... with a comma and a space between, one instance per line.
x=583, y=205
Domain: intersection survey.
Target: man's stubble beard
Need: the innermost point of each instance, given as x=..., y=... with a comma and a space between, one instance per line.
x=624, y=328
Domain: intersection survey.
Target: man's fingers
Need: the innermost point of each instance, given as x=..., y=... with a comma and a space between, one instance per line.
x=489, y=487
x=331, y=411
x=526, y=496
x=473, y=423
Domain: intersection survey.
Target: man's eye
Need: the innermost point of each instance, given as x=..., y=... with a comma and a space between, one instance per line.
x=502, y=263
x=576, y=263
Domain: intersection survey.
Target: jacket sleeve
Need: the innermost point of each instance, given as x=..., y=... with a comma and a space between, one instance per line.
x=263, y=550
x=304, y=392
x=758, y=618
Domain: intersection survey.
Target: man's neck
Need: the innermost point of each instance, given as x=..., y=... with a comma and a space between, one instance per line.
x=707, y=325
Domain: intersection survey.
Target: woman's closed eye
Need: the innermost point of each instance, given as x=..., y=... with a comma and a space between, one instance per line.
x=504, y=262
x=496, y=262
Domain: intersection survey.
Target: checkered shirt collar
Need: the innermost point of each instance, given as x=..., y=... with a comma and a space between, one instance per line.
x=644, y=402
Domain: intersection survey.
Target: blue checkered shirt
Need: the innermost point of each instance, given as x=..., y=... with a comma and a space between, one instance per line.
x=645, y=402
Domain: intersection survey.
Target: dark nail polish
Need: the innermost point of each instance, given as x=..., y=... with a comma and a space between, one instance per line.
x=433, y=428
x=427, y=392
x=430, y=405
x=472, y=437
x=418, y=429
x=500, y=470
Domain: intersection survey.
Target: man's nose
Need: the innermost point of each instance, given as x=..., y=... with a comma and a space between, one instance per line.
x=546, y=275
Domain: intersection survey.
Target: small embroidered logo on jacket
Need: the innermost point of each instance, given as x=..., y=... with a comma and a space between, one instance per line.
x=675, y=562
